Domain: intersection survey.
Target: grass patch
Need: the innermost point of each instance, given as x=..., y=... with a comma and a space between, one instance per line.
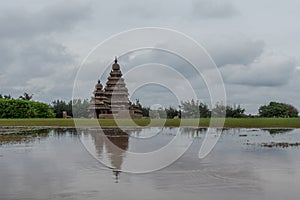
x=262, y=123
x=229, y=122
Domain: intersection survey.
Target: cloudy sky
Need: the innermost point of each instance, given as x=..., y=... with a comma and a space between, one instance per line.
x=255, y=44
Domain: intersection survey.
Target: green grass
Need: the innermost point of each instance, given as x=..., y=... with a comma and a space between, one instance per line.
x=229, y=123
x=37, y=122
x=263, y=122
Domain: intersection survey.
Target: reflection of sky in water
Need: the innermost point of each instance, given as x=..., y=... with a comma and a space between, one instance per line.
x=58, y=167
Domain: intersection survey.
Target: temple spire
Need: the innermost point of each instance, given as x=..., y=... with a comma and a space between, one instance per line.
x=113, y=99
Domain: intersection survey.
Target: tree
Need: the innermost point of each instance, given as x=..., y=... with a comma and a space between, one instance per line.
x=276, y=109
x=293, y=112
x=157, y=113
x=5, y=96
x=42, y=110
x=204, y=110
x=145, y=110
x=235, y=112
x=190, y=109
x=171, y=112
x=194, y=109
x=59, y=106
x=81, y=108
x=26, y=96
x=219, y=110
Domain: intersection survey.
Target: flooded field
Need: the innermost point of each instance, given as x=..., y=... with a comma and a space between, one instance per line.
x=67, y=164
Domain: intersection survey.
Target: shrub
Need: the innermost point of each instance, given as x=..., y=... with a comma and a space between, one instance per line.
x=16, y=108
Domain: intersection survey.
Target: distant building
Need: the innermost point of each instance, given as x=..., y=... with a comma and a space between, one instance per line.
x=113, y=101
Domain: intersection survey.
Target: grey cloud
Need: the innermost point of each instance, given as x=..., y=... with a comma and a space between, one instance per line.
x=251, y=97
x=34, y=61
x=141, y=9
x=44, y=51
x=235, y=50
x=38, y=67
x=156, y=9
x=177, y=80
x=178, y=9
x=49, y=19
x=269, y=70
x=214, y=9
x=7, y=53
x=39, y=58
x=154, y=94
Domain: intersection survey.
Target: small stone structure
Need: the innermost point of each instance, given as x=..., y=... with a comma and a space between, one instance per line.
x=64, y=114
x=112, y=101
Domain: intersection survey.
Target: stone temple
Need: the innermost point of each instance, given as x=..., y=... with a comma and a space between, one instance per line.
x=112, y=101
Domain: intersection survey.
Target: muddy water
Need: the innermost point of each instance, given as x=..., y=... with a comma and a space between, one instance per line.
x=54, y=164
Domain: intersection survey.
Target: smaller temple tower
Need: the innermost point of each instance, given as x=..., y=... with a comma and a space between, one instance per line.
x=99, y=102
x=113, y=101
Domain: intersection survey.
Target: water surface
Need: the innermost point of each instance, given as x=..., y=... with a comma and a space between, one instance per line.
x=54, y=164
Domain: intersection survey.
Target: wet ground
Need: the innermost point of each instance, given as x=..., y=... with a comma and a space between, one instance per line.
x=66, y=164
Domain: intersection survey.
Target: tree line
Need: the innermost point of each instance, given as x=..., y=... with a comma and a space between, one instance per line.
x=196, y=109
x=24, y=107
x=79, y=106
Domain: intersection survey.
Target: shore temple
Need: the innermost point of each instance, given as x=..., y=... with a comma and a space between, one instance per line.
x=112, y=101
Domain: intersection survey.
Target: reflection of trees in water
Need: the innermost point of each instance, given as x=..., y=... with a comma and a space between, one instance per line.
x=278, y=131
x=193, y=132
x=28, y=134
x=58, y=132
x=17, y=136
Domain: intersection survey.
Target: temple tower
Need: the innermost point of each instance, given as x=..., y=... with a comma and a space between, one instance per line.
x=116, y=91
x=99, y=102
x=113, y=101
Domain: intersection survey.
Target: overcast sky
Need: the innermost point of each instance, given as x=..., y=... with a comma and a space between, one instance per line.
x=255, y=44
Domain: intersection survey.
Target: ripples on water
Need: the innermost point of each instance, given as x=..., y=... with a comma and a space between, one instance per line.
x=54, y=164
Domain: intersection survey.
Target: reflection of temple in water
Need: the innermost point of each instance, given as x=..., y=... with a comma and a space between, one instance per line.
x=113, y=144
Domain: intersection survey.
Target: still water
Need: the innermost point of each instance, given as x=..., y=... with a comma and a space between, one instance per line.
x=66, y=164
